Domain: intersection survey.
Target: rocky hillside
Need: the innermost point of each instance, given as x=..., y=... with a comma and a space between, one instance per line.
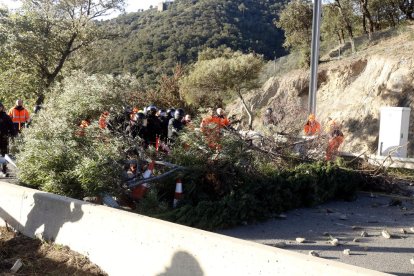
x=351, y=90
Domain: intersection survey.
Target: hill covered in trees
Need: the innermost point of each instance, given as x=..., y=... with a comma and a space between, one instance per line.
x=150, y=43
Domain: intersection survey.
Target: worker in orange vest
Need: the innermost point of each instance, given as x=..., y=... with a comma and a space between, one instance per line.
x=103, y=120
x=212, y=125
x=19, y=115
x=312, y=127
x=336, y=138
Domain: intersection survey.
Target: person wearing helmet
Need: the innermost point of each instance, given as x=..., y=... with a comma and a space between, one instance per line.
x=152, y=110
x=312, y=127
x=7, y=130
x=175, y=125
x=268, y=119
x=137, y=127
x=164, y=117
x=336, y=138
x=154, y=128
x=222, y=120
x=187, y=120
x=170, y=113
x=19, y=115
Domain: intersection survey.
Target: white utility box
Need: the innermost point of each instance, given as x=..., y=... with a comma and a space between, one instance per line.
x=393, y=133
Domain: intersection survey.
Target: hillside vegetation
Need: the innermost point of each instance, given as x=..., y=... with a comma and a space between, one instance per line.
x=150, y=43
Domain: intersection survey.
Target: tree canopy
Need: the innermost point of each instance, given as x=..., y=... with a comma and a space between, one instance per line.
x=43, y=35
x=228, y=76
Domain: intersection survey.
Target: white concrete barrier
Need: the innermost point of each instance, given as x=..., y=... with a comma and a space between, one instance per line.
x=123, y=243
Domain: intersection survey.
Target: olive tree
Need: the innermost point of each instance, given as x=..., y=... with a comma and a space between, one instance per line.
x=223, y=77
x=44, y=34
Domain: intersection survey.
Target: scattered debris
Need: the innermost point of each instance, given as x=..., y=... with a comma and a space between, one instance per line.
x=356, y=240
x=403, y=231
x=300, y=240
x=364, y=234
x=412, y=229
x=412, y=261
x=313, y=253
x=326, y=234
x=17, y=265
x=386, y=234
x=334, y=242
x=366, y=248
x=347, y=252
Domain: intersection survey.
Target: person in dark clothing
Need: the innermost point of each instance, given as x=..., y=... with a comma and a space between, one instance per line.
x=7, y=130
x=119, y=122
x=175, y=125
x=154, y=128
x=137, y=127
x=164, y=119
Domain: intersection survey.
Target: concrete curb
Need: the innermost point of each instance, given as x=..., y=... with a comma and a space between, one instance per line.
x=123, y=243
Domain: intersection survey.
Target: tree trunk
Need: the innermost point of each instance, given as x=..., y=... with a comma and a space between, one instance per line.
x=49, y=77
x=248, y=111
x=364, y=24
x=348, y=25
x=367, y=15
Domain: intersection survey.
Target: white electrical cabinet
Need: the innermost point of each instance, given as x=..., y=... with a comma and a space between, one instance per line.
x=393, y=133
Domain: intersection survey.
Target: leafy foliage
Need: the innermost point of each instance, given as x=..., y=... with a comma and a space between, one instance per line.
x=241, y=185
x=221, y=77
x=58, y=156
x=43, y=36
x=296, y=21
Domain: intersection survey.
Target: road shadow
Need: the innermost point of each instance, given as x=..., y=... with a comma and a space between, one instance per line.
x=183, y=264
x=47, y=216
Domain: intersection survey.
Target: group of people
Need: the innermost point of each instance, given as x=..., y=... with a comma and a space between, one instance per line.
x=151, y=124
x=313, y=127
x=11, y=124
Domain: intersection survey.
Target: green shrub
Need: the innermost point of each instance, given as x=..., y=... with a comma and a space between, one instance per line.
x=305, y=186
x=55, y=158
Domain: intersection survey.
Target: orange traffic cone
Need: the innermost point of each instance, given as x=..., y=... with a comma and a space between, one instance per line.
x=178, y=192
x=141, y=190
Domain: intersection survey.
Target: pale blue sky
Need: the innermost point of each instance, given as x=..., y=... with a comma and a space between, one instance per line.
x=132, y=5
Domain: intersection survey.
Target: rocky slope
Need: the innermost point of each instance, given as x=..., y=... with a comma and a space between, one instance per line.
x=351, y=91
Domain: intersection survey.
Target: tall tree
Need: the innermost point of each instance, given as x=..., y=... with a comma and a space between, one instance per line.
x=224, y=77
x=46, y=33
x=296, y=21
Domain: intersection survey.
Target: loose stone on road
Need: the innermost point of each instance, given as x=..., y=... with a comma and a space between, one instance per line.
x=371, y=236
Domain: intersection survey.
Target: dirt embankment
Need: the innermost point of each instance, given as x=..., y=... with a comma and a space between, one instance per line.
x=41, y=258
x=351, y=91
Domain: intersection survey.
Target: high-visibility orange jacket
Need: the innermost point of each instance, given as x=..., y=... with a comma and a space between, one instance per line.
x=211, y=127
x=19, y=115
x=337, y=138
x=312, y=128
x=102, y=120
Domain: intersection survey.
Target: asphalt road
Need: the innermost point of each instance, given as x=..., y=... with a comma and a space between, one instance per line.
x=346, y=221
